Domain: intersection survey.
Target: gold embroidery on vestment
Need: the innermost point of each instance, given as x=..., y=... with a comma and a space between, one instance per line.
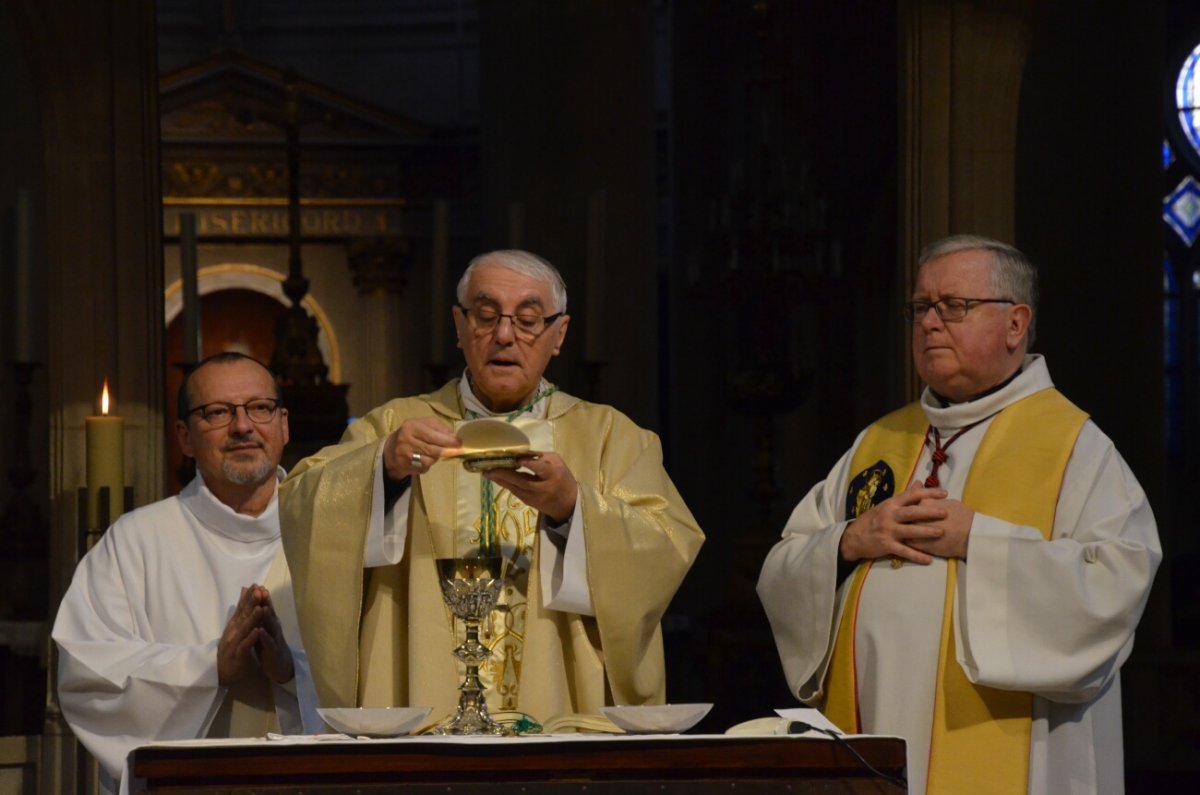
x=504, y=630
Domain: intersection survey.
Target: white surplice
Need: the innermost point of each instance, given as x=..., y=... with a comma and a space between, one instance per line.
x=1053, y=618
x=137, y=630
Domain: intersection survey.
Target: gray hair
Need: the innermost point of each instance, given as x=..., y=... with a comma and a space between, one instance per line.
x=1013, y=274
x=527, y=265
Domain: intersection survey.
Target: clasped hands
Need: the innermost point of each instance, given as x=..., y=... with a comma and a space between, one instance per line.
x=253, y=639
x=915, y=525
x=548, y=486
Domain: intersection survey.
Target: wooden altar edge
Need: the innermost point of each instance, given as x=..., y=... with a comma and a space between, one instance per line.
x=519, y=760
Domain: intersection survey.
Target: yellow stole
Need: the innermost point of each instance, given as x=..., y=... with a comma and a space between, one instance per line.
x=980, y=740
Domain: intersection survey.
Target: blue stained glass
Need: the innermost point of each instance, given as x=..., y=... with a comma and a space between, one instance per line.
x=1167, y=155
x=1181, y=210
x=1187, y=98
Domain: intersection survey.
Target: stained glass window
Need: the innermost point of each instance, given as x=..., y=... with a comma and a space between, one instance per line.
x=1187, y=98
x=1181, y=210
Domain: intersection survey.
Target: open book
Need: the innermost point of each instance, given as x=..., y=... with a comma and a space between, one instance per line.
x=579, y=723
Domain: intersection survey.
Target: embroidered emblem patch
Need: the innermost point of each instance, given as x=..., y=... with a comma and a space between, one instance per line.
x=868, y=488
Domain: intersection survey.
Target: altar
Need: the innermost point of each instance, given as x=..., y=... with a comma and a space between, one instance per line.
x=577, y=763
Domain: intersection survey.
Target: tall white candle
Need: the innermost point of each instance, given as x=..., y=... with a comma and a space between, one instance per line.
x=23, y=299
x=594, y=283
x=192, y=342
x=105, y=463
x=439, y=273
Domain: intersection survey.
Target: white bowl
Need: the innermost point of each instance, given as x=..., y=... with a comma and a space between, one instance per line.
x=658, y=719
x=374, y=721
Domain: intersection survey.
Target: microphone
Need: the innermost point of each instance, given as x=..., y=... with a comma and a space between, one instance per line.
x=800, y=727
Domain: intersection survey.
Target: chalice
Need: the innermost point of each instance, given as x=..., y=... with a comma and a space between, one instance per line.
x=470, y=587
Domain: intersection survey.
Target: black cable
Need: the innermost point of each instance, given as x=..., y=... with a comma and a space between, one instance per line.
x=800, y=727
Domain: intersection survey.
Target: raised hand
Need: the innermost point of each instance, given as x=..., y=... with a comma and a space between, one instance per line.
x=415, y=446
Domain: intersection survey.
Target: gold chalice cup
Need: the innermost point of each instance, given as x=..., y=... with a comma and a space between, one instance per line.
x=470, y=587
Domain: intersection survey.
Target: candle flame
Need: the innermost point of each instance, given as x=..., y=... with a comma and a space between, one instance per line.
x=104, y=399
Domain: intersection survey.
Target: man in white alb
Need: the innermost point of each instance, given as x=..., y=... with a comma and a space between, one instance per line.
x=970, y=574
x=179, y=623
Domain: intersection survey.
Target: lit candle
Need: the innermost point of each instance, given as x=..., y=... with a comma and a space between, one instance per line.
x=22, y=304
x=438, y=304
x=105, y=463
x=594, y=325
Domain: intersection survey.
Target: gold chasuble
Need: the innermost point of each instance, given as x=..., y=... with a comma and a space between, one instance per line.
x=383, y=636
x=981, y=735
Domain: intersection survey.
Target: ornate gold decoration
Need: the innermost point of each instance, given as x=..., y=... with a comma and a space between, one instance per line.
x=212, y=118
x=205, y=178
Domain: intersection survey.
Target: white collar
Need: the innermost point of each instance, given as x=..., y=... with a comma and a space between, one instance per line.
x=472, y=404
x=220, y=518
x=1034, y=377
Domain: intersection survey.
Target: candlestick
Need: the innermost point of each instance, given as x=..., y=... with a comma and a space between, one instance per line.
x=105, y=463
x=594, y=322
x=191, y=292
x=438, y=305
x=22, y=304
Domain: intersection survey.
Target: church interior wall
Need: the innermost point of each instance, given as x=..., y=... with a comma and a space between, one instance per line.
x=557, y=121
x=363, y=326
x=21, y=141
x=830, y=318
x=597, y=141
x=24, y=551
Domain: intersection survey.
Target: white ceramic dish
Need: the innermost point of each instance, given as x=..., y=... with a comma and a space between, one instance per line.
x=374, y=721
x=659, y=719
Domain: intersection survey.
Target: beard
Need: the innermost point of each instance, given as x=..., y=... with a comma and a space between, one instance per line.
x=247, y=475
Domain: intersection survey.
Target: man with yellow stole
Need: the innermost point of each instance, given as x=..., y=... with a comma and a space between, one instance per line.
x=970, y=574
x=595, y=535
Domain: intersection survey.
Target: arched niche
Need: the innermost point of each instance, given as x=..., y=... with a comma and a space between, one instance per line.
x=240, y=305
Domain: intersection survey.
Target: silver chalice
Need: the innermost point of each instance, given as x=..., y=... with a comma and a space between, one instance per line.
x=471, y=586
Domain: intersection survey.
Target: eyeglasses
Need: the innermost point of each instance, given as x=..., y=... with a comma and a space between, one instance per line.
x=949, y=308
x=220, y=414
x=528, y=325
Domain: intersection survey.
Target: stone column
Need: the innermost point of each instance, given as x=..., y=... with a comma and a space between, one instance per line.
x=381, y=269
x=960, y=81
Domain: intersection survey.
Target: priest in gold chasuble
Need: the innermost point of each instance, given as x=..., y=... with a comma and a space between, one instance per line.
x=970, y=574
x=595, y=536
